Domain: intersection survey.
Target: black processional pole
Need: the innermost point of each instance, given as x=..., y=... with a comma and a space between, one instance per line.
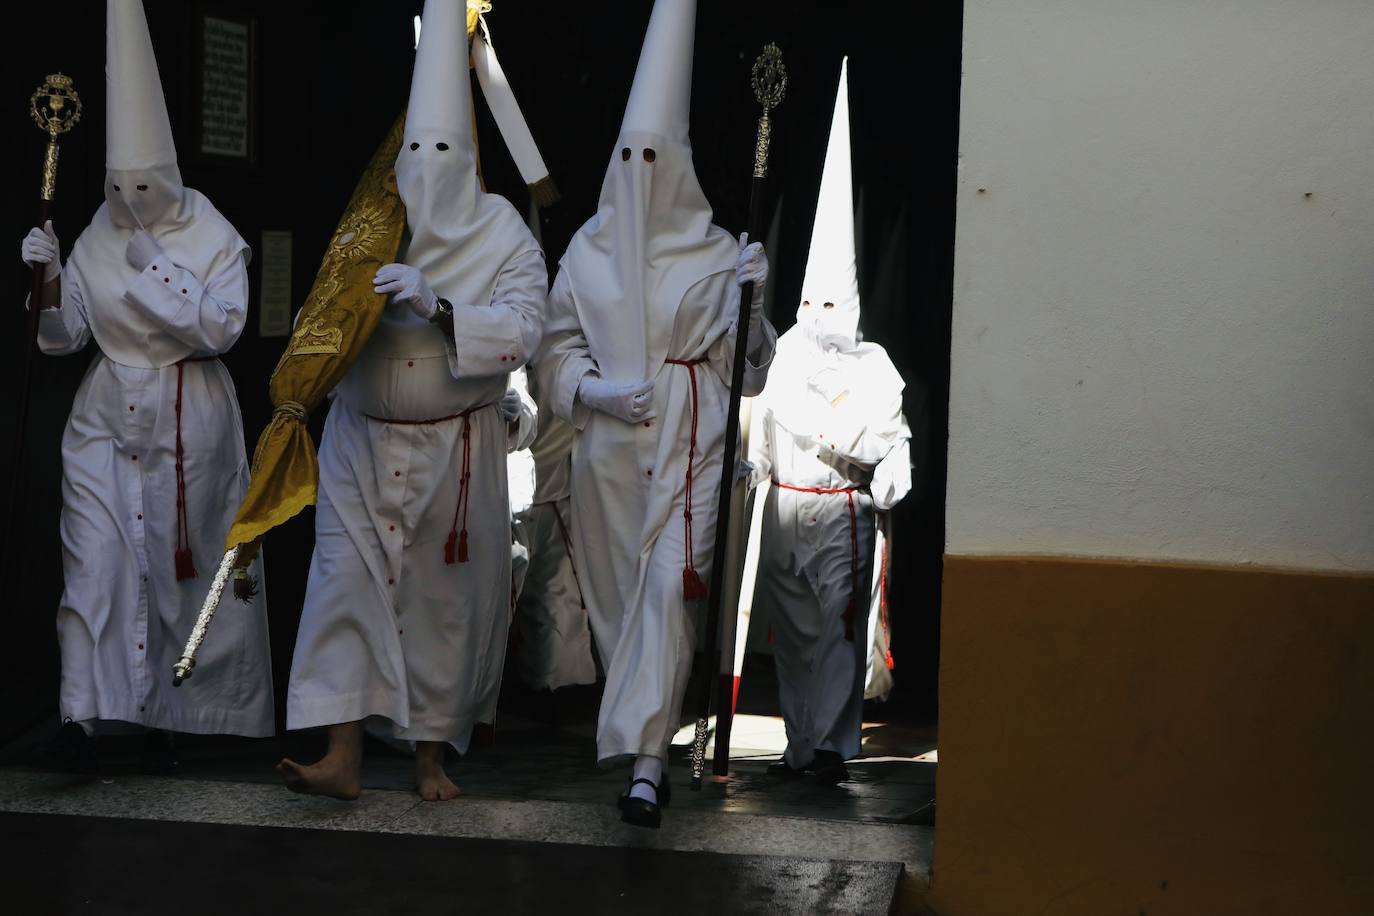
x=56, y=108
x=769, y=79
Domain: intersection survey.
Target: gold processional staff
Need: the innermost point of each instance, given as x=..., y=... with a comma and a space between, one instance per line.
x=56, y=108
x=769, y=79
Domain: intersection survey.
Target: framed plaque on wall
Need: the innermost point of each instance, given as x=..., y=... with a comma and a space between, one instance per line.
x=224, y=86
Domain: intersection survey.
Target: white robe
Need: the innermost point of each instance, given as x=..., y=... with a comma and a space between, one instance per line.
x=815, y=562
x=520, y=480
x=628, y=499
x=891, y=483
x=124, y=618
x=555, y=638
x=390, y=629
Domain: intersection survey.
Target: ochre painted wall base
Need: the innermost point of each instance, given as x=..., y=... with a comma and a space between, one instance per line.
x=1135, y=738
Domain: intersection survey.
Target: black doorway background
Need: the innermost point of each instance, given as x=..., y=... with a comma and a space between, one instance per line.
x=331, y=75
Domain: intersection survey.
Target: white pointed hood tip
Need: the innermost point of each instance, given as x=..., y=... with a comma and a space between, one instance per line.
x=661, y=96
x=829, y=311
x=440, y=88
x=138, y=134
x=652, y=238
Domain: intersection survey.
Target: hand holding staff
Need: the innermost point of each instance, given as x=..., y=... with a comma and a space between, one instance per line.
x=55, y=108
x=769, y=78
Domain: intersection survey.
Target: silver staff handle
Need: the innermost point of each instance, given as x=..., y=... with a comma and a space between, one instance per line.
x=182, y=670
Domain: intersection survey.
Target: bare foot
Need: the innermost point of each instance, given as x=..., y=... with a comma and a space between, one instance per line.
x=430, y=779
x=339, y=774
x=328, y=777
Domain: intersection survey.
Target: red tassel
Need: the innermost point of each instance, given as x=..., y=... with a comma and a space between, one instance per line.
x=463, y=547
x=186, y=569
x=448, y=547
x=770, y=634
x=693, y=589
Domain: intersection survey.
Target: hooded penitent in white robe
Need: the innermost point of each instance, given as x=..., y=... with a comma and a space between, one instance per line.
x=830, y=414
x=408, y=602
x=647, y=287
x=130, y=508
x=555, y=639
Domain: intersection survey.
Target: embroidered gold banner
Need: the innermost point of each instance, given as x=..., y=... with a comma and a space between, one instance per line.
x=335, y=323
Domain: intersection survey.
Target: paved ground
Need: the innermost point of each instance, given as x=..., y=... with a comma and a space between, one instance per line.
x=537, y=782
x=81, y=865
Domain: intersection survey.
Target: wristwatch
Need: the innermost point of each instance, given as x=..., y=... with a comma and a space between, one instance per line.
x=443, y=311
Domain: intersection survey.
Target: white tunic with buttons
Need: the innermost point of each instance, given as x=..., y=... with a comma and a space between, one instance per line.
x=390, y=628
x=124, y=617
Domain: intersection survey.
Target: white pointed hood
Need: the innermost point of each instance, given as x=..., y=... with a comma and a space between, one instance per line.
x=660, y=100
x=652, y=238
x=829, y=311
x=140, y=157
x=823, y=346
x=459, y=236
x=143, y=190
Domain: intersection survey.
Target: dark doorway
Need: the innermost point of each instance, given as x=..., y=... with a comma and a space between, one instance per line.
x=330, y=77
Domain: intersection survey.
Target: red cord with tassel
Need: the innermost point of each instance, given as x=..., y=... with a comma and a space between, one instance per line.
x=456, y=546
x=455, y=535
x=184, y=562
x=693, y=587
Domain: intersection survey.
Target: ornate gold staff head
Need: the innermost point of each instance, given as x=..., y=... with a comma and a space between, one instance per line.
x=56, y=108
x=55, y=105
x=769, y=78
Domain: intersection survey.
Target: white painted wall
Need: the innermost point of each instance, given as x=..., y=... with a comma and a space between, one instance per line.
x=1163, y=347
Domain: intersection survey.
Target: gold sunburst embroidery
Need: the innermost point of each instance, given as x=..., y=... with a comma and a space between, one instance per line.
x=356, y=237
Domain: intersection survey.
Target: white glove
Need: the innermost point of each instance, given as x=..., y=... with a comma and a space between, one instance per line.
x=40, y=247
x=632, y=402
x=751, y=266
x=142, y=250
x=406, y=284
x=509, y=405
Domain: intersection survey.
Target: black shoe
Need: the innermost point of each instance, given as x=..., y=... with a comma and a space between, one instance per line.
x=71, y=750
x=830, y=768
x=640, y=811
x=781, y=769
x=663, y=790
x=159, y=754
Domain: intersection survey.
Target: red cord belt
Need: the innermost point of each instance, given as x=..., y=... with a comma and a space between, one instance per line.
x=457, y=543
x=883, y=609
x=181, y=556
x=853, y=545
x=693, y=588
